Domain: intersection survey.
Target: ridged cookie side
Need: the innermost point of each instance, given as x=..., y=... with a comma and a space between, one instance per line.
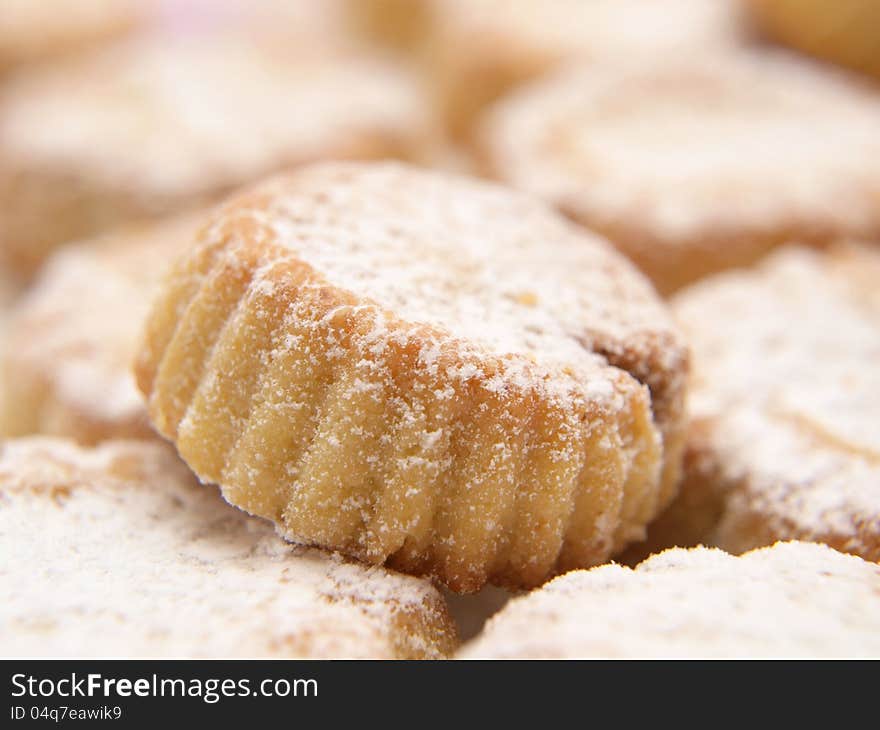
x=383, y=439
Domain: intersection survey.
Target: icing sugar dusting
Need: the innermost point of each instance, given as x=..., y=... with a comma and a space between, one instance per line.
x=594, y=29
x=677, y=151
x=195, y=116
x=156, y=565
x=422, y=369
x=72, y=336
x=782, y=372
x=794, y=599
x=492, y=270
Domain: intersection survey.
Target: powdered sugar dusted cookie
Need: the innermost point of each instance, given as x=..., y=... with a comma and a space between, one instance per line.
x=66, y=367
x=692, y=168
x=116, y=551
x=154, y=127
x=479, y=49
x=786, y=393
x=845, y=31
x=37, y=31
x=790, y=600
x=421, y=369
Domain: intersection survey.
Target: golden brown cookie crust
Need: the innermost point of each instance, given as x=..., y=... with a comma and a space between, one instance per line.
x=672, y=162
x=404, y=366
x=692, y=516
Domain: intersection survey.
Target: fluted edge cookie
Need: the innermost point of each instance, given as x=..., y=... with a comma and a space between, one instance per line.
x=790, y=600
x=117, y=551
x=422, y=370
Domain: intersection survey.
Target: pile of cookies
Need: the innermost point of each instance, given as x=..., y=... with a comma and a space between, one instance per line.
x=332, y=329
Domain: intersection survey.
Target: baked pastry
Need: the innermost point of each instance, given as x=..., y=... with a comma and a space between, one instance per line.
x=156, y=565
x=843, y=31
x=790, y=600
x=155, y=127
x=306, y=26
x=785, y=399
x=689, y=168
x=477, y=50
x=420, y=369
x=40, y=30
x=695, y=512
x=398, y=24
x=71, y=339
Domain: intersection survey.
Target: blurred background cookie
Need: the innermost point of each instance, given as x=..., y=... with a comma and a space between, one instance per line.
x=399, y=24
x=162, y=125
x=417, y=368
x=42, y=30
x=790, y=600
x=785, y=405
x=70, y=341
x=476, y=50
x=155, y=564
x=692, y=168
x=842, y=31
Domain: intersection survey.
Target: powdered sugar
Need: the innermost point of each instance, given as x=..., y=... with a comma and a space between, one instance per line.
x=156, y=565
x=783, y=373
x=170, y=120
x=421, y=369
x=736, y=143
x=691, y=169
x=489, y=269
x=598, y=29
x=794, y=599
x=72, y=337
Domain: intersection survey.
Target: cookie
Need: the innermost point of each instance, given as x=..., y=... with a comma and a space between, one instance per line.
x=321, y=27
x=419, y=369
x=48, y=29
x=790, y=600
x=155, y=127
x=476, y=51
x=10, y=290
x=71, y=339
x=785, y=396
x=693, y=168
x=845, y=31
x=398, y=24
x=697, y=508
x=154, y=564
